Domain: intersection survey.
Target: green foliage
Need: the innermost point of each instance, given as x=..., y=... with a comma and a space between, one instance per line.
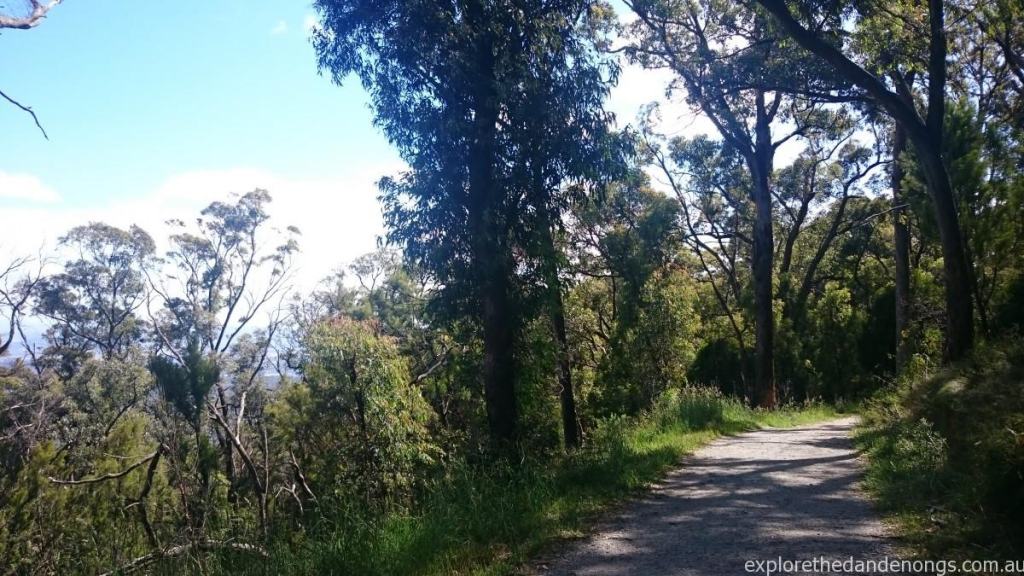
x=212, y=263
x=186, y=386
x=491, y=518
x=719, y=364
x=94, y=300
x=356, y=423
x=635, y=324
x=538, y=386
x=946, y=456
x=88, y=524
x=653, y=347
x=350, y=436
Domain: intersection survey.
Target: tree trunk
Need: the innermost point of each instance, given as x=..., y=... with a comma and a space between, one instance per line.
x=956, y=267
x=491, y=256
x=763, y=249
x=556, y=308
x=926, y=136
x=570, y=420
x=785, y=281
x=956, y=272
x=976, y=290
x=227, y=448
x=901, y=247
x=807, y=284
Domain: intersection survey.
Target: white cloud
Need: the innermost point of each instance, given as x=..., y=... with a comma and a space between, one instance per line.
x=280, y=28
x=310, y=22
x=639, y=86
x=339, y=216
x=25, y=187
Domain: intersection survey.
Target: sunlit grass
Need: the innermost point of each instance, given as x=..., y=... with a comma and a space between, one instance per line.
x=491, y=520
x=945, y=464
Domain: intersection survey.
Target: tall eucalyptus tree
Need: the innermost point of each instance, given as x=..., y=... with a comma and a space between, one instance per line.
x=823, y=30
x=454, y=86
x=743, y=78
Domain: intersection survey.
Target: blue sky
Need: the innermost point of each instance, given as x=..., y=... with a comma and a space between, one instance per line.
x=132, y=93
x=155, y=109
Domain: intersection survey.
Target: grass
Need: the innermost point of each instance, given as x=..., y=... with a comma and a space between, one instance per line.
x=946, y=456
x=491, y=520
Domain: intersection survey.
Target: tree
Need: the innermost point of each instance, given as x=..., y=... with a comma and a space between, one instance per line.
x=567, y=152
x=439, y=86
x=96, y=297
x=38, y=12
x=738, y=75
x=984, y=135
x=709, y=179
x=209, y=358
x=224, y=273
x=16, y=292
x=901, y=245
x=633, y=317
x=811, y=201
x=356, y=423
x=925, y=133
x=835, y=169
x=448, y=88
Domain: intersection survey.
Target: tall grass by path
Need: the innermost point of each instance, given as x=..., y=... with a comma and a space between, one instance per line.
x=946, y=455
x=490, y=520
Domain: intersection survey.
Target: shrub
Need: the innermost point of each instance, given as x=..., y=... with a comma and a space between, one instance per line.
x=356, y=423
x=947, y=451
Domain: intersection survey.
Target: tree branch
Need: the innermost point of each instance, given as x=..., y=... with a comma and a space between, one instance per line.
x=27, y=109
x=105, y=477
x=33, y=19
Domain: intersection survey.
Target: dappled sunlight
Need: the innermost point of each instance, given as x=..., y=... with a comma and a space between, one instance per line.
x=784, y=492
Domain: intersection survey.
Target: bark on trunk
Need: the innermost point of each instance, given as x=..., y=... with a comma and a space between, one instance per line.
x=556, y=308
x=491, y=257
x=807, y=284
x=901, y=248
x=570, y=420
x=926, y=137
x=956, y=267
x=959, y=307
x=763, y=248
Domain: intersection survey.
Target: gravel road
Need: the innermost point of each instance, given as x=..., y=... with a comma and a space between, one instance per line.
x=789, y=493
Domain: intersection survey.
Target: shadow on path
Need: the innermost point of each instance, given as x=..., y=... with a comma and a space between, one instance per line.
x=789, y=493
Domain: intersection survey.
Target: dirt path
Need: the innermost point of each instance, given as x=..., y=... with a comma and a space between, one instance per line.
x=758, y=496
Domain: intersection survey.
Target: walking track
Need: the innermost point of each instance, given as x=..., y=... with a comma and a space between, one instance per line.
x=789, y=493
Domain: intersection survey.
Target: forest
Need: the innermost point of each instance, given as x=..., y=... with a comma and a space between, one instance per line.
x=563, y=305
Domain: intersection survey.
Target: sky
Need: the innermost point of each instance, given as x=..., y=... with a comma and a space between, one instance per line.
x=156, y=109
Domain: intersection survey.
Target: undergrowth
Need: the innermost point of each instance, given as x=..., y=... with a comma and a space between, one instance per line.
x=491, y=519
x=946, y=453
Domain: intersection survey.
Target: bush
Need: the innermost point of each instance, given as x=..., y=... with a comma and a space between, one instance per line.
x=356, y=423
x=919, y=450
x=720, y=364
x=947, y=452
x=489, y=516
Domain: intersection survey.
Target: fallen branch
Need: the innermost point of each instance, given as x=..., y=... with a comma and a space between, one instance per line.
x=206, y=546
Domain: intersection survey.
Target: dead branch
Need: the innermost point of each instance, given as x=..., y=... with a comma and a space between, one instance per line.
x=33, y=19
x=441, y=360
x=27, y=109
x=105, y=477
x=205, y=546
x=301, y=477
x=261, y=487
